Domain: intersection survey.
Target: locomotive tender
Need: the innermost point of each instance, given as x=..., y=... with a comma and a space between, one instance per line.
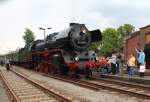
x=64, y=52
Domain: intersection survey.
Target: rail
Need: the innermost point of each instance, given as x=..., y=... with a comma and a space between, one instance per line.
x=16, y=96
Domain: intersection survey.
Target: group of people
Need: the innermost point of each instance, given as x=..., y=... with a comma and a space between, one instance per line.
x=112, y=64
x=116, y=62
x=131, y=63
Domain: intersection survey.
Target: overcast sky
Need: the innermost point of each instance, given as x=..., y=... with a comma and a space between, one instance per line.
x=16, y=15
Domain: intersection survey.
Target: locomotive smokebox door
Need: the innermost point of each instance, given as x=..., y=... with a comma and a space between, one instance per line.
x=96, y=35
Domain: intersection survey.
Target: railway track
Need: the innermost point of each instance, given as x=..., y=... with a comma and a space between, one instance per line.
x=138, y=90
x=24, y=89
x=146, y=87
x=73, y=81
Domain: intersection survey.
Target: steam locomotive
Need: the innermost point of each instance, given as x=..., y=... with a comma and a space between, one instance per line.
x=64, y=52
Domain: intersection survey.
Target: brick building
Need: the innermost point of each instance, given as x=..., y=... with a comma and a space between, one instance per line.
x=138, y=39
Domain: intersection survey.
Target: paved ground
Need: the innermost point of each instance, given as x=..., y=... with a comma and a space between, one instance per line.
x=3, y=95
x=82, y=93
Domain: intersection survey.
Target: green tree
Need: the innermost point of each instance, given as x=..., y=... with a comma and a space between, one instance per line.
x=95, y=46
x=126, y=29
x=111, y=40
x=28, y=37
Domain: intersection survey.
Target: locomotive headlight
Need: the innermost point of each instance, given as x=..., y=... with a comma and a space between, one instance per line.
x=56, y=55
x=84, y=31
x=76, y=58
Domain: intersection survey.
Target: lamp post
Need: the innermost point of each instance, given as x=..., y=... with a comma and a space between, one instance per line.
x=44, y=31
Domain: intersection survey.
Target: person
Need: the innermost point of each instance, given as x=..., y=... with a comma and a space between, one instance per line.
x=118, y=63
x=2, y=63
x=88, y=72
x=7, y=65
x=103, y=67
x=113, y=64
x=94, y=57
x=141, y=61
x=121, y=57
x=131, y=65
x=142, y=70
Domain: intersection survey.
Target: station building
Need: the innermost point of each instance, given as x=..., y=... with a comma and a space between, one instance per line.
x=139, y=39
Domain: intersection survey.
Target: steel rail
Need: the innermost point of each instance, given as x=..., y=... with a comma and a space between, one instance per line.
x=9, y=88
x=104, y=86
x=72, y=82
x=119, y=89
x=124, y=83
x=98, y=86
x=47, y=90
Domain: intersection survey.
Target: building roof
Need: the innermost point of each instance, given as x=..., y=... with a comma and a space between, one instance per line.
x=145, y=27
x=133, y=35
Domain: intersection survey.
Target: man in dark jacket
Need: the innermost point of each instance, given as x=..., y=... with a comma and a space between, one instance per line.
x=7, y=65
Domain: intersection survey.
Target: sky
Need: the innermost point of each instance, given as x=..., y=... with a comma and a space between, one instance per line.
x=16, y=15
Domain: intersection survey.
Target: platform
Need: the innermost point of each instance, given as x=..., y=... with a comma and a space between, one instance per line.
x=125, y=77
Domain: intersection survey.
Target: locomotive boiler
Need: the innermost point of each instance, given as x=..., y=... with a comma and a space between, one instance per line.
x=75, y=37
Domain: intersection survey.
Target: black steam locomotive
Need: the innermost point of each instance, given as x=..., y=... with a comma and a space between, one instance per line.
x=64, y=52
